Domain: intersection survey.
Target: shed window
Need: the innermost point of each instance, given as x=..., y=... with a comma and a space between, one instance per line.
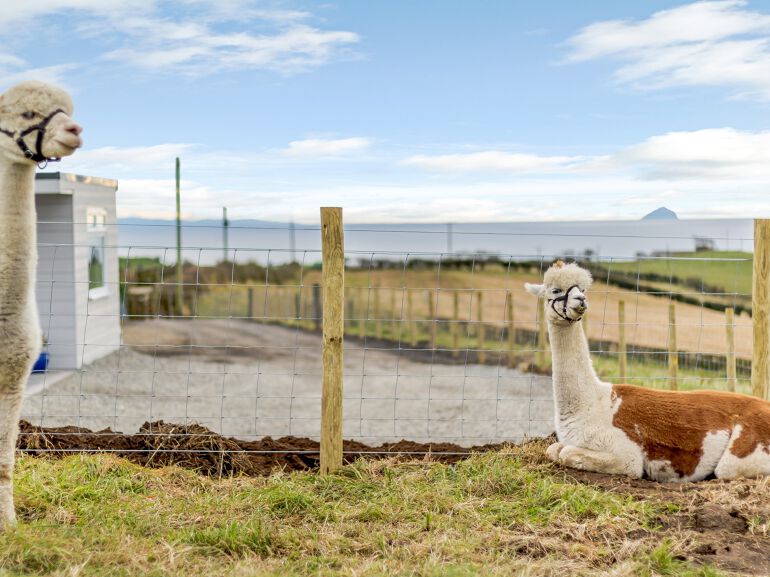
x=97, y=285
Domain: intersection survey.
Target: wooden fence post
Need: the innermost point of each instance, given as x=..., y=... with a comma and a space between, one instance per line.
x=542, y=340
x=394, y=333
x=250, y=304
x=455, y=324
x=363, y=314
x=298, y=306
x=622, y=356
x=377, y=313
x=481, y=333
x=673, y=354
x=317, y=306
x=412, y=321
x=730, y=367
x=760, y=310
x=431, y=319
x=333, y=279
x=511, y=330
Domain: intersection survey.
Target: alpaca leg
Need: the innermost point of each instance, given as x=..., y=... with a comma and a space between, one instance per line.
x=599, y=461
x=10, y=407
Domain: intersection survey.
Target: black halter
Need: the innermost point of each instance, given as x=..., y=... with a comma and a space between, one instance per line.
x=37, y=155
x=565, y=298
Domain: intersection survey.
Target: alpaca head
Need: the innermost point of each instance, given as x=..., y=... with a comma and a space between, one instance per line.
x=564, y=292
x=35, y=123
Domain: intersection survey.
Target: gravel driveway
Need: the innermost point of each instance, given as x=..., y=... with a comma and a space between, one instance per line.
x=251, y=380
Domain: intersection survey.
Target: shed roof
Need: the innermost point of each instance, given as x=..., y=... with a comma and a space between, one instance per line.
x=67, y=182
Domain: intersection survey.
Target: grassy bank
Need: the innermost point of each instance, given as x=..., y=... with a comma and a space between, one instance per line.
x=499, y=513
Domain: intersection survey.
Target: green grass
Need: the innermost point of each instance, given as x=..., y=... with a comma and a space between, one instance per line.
x=499, y=513
x=732, y=275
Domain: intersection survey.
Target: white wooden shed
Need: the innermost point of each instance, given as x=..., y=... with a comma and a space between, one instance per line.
x=77, y=273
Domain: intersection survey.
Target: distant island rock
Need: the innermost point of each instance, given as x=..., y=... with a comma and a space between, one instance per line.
x=661, y=213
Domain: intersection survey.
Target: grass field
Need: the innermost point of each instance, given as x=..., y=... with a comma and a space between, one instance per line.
x=500, y=513
x=730, y=270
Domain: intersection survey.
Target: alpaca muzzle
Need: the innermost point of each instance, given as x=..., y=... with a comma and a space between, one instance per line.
x=35, y=155
x=564, y=300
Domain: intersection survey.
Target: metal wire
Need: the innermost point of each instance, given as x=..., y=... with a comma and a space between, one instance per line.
x=242, y=354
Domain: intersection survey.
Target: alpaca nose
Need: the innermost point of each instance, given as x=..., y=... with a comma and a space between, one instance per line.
x=74, y=128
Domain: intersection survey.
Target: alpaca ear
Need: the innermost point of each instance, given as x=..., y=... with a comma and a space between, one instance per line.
x=535, y=289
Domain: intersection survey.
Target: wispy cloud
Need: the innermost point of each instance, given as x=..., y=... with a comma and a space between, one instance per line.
x=190, y=37
x=491, y=160
x=709, y=153
x=718, y=43
x=316, y=147
x=723, y=153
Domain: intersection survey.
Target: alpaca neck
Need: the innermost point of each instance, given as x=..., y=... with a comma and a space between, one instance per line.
x=575, y=384
x=18, y=237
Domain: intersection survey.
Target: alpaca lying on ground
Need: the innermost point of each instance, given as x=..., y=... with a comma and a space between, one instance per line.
x=635, y=431
x=35, y=128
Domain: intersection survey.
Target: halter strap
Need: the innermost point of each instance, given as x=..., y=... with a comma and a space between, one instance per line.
x=36, y=155
x=565, y=299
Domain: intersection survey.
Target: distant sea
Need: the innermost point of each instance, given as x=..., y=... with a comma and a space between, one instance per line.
x=203, y=241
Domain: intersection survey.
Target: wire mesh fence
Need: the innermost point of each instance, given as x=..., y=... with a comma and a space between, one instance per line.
x=439, y=347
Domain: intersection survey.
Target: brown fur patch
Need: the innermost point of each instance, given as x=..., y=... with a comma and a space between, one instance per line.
x=671, y=426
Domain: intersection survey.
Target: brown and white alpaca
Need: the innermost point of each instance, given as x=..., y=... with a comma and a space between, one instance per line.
x=35, y=127
x=635, y=431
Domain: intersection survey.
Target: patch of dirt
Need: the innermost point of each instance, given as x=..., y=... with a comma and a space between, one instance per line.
x=195, y=447
x=725, y=523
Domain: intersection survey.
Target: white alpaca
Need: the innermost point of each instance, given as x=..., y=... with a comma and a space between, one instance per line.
x=635, y=431
x=35, y=127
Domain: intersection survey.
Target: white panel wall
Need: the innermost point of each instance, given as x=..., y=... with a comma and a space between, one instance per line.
x=55, y=278
x=97, y=322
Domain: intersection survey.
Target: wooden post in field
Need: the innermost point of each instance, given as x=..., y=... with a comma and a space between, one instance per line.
x=622, y=356
x=760, y=310
x=673, y=354
x=393, y=320
x=412, y=322
x=250, y=303
x=730, y=367
x=431, y=319
x=333, y=279
x=481, y=333
x=363, y=312
x=455, y=324
x=541, y=357
x=511, y=330
x=376, y=313
x=298, y=305
x=317, y=306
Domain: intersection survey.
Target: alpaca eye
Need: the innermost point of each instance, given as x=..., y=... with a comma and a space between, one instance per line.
x=29, y=115
x=556, y=291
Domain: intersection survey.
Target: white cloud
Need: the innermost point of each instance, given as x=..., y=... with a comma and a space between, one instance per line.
x=314, y=147
x=710, y=153
x=116, y=159
x=56, y=74
x=719, y=43
x=491, y=160
x=208, y=38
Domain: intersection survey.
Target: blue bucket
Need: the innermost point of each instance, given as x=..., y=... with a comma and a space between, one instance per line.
x=41, y=364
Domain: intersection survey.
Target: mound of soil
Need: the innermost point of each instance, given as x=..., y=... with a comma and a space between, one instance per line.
x=158, y=444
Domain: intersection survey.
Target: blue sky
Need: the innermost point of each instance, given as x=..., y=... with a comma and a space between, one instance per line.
x=406, y=111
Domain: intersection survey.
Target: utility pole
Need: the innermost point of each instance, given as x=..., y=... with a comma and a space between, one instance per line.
x=225, y=231
x=179, y=275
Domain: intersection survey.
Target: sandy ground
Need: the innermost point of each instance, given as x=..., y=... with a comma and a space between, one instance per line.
x=251, y=380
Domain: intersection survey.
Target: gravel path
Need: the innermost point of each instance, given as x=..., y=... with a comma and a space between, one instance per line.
x=252, y=380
